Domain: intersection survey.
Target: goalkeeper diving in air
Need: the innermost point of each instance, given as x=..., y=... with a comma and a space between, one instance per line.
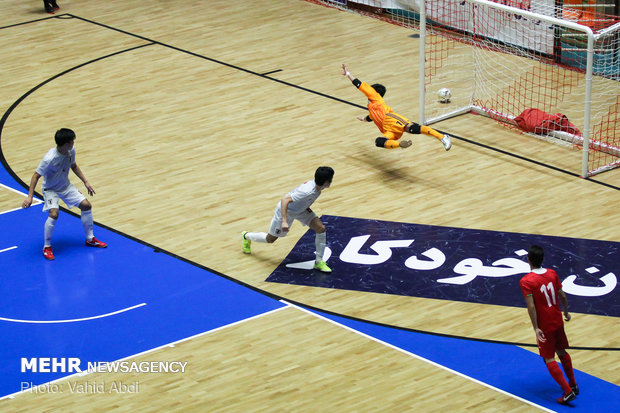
x=391, y=125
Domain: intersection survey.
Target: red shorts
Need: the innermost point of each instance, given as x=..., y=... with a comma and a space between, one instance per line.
x=556, y=340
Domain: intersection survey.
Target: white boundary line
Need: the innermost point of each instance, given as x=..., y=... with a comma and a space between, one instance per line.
x=35, y=201
x=8, y=249
x=419, y=357
x=20, y=208
x=84, y=373
x=14, y=190
x=73, y=320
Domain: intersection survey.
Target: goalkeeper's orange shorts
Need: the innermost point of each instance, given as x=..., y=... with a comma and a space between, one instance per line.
x=394, y=125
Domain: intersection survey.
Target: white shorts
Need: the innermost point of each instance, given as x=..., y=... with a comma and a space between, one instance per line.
x=70, y=196
x=304, y=217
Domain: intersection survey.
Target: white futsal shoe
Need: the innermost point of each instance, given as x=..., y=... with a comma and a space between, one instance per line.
x=446, y=141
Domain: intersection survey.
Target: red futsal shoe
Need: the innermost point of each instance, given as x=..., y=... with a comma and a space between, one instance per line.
x=94, y=242
x=47, y=253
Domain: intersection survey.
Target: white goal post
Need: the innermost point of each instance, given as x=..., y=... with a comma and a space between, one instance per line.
x=500, y=60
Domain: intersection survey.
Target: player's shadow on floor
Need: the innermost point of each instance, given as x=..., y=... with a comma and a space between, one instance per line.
x=266, y=259
x=391, y=173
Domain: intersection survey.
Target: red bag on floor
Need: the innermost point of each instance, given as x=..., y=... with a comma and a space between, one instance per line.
x=537, y=121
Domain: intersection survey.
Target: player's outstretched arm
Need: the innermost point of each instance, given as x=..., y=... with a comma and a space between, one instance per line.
x=33, y=184
x=345, y=72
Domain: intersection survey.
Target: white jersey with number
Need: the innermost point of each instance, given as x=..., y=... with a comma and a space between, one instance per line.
x=302, y=197
x=54, y=168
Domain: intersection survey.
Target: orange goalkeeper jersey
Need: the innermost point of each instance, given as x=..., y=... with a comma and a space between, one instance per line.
x=376, y=105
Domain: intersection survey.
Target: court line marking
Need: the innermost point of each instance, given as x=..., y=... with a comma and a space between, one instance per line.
x=174, y=343
x=419, y=357
x=35, y=201
x=20, y=208
x=13, y=189
x=204, y=333
x=9, y=249
x=73, y=320
x=30, y=21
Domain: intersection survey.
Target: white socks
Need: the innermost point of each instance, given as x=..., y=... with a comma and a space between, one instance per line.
x=50, y=224
x=87, y=223
x=256, y=236
x=319, y=241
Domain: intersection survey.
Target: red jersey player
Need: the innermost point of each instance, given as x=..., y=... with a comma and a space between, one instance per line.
x=542, y=289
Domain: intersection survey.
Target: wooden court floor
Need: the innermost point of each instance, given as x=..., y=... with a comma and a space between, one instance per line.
x=203, y=114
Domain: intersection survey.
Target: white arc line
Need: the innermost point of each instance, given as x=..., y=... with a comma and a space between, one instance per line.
x=9, y=249
x=71, y=321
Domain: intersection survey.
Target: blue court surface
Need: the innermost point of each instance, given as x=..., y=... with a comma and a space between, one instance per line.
x=110, y=304
x=101, y=304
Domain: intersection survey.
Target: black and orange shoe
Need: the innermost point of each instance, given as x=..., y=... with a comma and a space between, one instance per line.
x=48, y=7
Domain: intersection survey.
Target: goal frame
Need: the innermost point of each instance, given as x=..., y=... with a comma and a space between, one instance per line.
x=584, y=139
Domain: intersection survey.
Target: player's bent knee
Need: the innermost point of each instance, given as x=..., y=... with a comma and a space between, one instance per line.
x=53, y=213
x=271, y=239
x=317, y=226
x=85, y=205
x=380, y=142
x=414, y=128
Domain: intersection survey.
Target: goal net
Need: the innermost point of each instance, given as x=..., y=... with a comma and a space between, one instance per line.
x=500, y=60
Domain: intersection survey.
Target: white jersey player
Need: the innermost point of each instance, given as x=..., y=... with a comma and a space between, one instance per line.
x=54, y=168
x=296, y=206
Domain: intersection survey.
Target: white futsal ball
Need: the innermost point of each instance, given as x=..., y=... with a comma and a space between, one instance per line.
x=444, y=95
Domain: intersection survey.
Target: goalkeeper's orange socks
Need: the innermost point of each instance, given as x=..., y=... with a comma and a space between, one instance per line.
x=391, y=144
x=431, y=132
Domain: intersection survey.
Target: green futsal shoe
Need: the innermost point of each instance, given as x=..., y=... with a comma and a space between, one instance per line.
x=245, y=244
x=321, y=266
